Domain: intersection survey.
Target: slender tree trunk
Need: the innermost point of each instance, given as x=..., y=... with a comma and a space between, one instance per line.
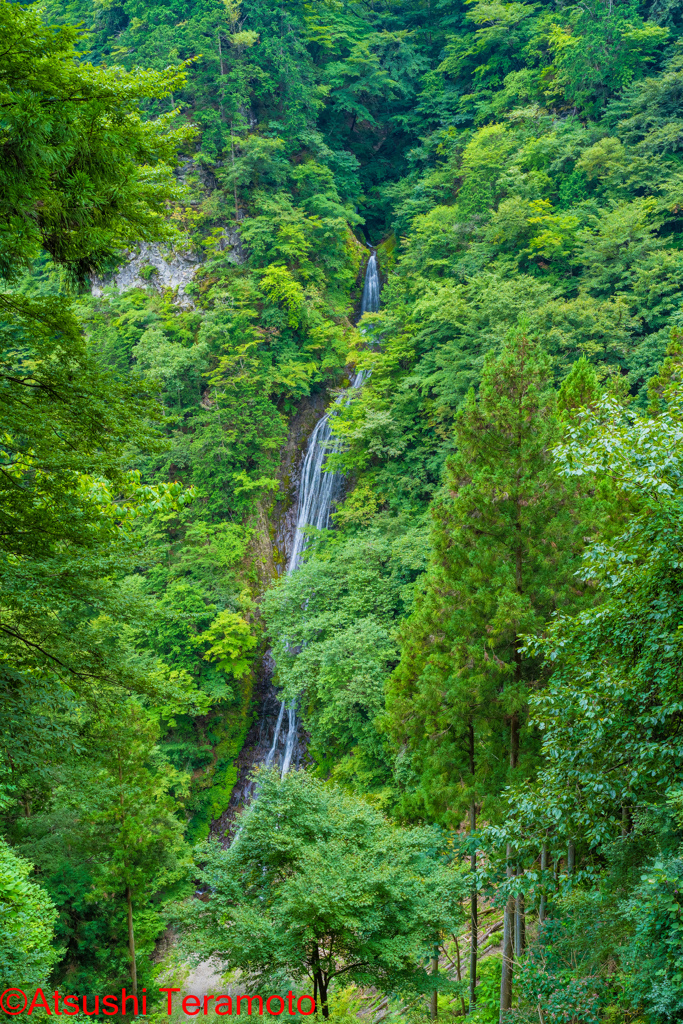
x=457, y=954
x=543, y=906
x=131, y=942
x=571, y=858
x=520, y=924
x=475, y=939
x=319, y=986
x=514, y=740
x=509, y=915
x=220, y=95
x=322, y=988
x=129, y=897
x=473, y=892
x=434, y=1001
x=508, y=937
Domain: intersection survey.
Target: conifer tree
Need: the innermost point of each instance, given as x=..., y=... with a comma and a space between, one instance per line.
x=506, y=534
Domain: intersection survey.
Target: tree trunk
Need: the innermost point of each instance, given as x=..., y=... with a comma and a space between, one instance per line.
x=475, y=938
x=473, y=892
x=514, y=740
x=319, y=986
x=322, y=989
x=129, y=898
x=543, y=906
x=457, y=953
x=131, y=942
x=508, y=937
x=509, y=915
x=434, y=1001
x=520, y=928
x=571, y=858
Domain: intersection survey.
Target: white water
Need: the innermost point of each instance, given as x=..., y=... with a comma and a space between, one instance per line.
x=317, y=493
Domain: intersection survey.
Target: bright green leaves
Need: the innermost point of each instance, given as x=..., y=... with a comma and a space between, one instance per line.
x=280, y=287
x=483, y=162
x=599, y=51
x=609, y=716
x=177, y=368
x=319, y=885
x=27, y=916
x=642, y=454
x=554, y=235
x=334, y=625
x=231, y=641
x=603, y=159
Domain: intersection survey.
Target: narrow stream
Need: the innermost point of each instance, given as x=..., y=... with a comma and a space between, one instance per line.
x=318, y=491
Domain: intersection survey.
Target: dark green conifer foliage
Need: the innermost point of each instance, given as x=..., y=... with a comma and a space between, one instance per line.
x=506, y=535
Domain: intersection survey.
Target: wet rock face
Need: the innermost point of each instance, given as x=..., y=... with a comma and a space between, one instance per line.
x=276, y=524
x=151, y=267
x=231, y=244
x=277, y=516
x=256, y=747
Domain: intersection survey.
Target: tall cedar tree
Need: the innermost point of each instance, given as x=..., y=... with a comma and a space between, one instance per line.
x=506, y=535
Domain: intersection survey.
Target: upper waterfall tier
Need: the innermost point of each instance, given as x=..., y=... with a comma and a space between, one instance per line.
x=370, y=300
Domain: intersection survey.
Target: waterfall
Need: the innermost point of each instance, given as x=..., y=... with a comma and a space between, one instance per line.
x=370, y=301
x=317, y=493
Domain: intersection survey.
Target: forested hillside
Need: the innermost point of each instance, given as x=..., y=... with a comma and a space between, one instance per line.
x=482, y=651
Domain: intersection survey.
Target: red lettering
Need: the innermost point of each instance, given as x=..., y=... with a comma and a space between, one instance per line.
x=169, y=997
x=289, y=1003
x=109, y=1001
x=250, y=1000
x=219, y=1003
x=305, y=1012
x=124, y=1000
x=57, y=1010
x=144, y=1001
x=195, y=1009
x=10, y=1001
x=275, y=1013
x=206, y=1002
x=91, y=1013
x=43, y=1002
x=71, y=1001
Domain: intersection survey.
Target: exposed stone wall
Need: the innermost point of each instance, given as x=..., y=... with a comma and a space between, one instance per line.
x=151, y=267
x=157, y=267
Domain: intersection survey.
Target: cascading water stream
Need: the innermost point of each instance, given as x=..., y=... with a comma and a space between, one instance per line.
x=317, y=493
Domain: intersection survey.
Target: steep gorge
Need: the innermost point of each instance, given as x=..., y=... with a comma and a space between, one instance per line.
x=276, y=737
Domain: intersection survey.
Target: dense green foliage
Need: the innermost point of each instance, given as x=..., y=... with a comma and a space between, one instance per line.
x=26, y=948
x=319, y=885
x=485, y=650
x=336, y=656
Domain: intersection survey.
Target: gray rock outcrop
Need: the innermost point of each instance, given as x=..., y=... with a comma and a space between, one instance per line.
x=151, y=267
